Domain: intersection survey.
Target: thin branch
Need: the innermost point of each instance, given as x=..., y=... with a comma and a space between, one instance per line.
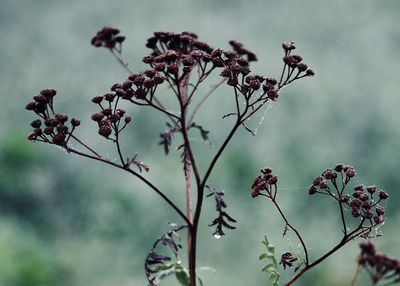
x=292, y=228
x=144, y=180
x=215, y=86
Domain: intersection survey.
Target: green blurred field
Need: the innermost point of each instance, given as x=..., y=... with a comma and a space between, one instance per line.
x=68, y=221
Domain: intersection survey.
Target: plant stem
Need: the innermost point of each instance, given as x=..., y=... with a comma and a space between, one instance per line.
x=292, y=228
x=144, y=180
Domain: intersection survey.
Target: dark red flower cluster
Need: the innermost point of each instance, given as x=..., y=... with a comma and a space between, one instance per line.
x=108, y=38
x=264, y=182
x=110, y=119
x=362, y=201
x=55, y=129
x=379, y=266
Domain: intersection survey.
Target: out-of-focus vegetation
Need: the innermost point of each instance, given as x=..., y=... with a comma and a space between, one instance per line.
x=67, y=221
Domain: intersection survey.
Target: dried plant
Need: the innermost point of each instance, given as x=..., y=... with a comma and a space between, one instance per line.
x=366, y=213
x=382, y=269
x=181, y=62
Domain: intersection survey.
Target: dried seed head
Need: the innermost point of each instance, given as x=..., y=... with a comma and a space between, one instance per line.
x=344, y=198
x=127, y=119
x=105, y=130
x=383, y=195
x=288, y=46
x=312, y=190
x=59, y=139
x=339, y=167
x=36, y=123
x=97, y=116
x=75, y=122
x=371, y=189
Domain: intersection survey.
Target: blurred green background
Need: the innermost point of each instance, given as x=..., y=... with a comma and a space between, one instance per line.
x=68, y=221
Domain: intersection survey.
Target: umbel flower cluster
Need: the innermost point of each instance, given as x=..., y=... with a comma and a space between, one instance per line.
x=364, y=204
x=379, y=266
x=51, y=127
x=181, y=62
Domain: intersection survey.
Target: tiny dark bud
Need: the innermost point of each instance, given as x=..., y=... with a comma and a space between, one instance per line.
x=59, y=139
x=127, y=119
x=328, y=174
x=271, y=81
x=31, y=136
x=126, y=85
x=273, y=94
x=105, y=130
x=377, y=219
x=158, y=79
x=97, y=117
x=310, y=72
x=30, y=106
x=367, y=214
x=37, y=131
x=379, y=210
x=273, y=180
x=383, y=195
x=120, y=112
x=40, y=98
x=287, y=46
x=172, y=68
x=36, y=123
x=366, y=205
x=357, y=194
x=297, y=58
x=110, y=96
x=355, y=212
x=159, y=66
x=312, y=190
x=62, y=129
x=149, y=83
x=171, y=55
x=364, y=197
x=75, y=122
x=148, y=59
x=97, y=99
x=48, y=130
x=50, y=122
x=150, y=72
x=266, y=170
x=216, y=53
x=371, y=189
x=48, y=92
x=339, y=167
x=317, y=180
x=233, y=81
x=120, y=92
x=344, y=198
x=302, y=67
x=356, y=203
x=359, y=187
x=62, y=118
x=106, y=112
x=218, y=62
x=350, y=173
x=119, y=39
x=188, y=61
x=255, y=84
x=323, y=185
x=114, y=118
x=115, y=86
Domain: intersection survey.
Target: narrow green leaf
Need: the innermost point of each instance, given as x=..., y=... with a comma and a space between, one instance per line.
x=183, y=277
x=268, y=267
